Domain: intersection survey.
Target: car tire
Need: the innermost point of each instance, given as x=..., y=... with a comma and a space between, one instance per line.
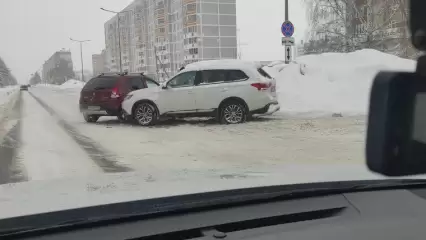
x=145, y=114
x=122, y=116
x=233, y=112
x=90, y=118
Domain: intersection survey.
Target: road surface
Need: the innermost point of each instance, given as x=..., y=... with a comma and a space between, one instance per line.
x=45, y=137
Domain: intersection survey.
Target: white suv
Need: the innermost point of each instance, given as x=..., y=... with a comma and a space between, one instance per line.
x=229, y=90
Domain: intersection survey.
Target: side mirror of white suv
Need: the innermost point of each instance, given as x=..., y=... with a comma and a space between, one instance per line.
x=164, y=85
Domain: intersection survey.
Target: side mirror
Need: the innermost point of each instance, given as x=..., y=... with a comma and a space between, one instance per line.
x=164, y=86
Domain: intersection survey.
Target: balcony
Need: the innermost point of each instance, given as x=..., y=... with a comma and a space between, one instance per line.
x=190, y=45
x=191, y=57
x=190, y=35
x=188, y=1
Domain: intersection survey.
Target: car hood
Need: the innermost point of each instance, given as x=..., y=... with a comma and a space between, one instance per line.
x=35, y=197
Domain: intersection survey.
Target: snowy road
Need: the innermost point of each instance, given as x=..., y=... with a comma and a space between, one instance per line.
x=51, y=140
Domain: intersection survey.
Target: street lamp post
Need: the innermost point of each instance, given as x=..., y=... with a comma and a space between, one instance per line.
x=81, y=55
x=119, y=32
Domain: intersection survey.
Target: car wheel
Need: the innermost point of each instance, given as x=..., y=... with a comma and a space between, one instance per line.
x=122, y=116
x=90, y=118
x=233, y=112
x=145, y=114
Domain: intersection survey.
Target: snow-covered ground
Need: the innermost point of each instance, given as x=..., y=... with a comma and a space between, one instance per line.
x=332, y=82
x=8, y=97
x=47, y=150
x=56, y=141
x=200, y=146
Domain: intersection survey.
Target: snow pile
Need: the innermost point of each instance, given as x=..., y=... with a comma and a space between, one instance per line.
x=332, y=82
x=72, y=83
x=8, y=97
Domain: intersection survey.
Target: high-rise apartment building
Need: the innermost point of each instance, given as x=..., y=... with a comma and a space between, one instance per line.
x=58, y=68
x=160, y=36
x=99, y=63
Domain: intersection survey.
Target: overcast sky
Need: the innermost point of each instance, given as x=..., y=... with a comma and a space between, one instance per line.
x=32, y=30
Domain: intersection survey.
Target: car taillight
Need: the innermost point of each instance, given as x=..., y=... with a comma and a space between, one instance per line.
x=261, y=86
x=114, y=93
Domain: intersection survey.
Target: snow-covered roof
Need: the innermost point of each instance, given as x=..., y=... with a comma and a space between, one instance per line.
x=222, y=64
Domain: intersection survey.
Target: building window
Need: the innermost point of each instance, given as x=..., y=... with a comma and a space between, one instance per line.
x=193, y=51
x=192, y=7
x=191, y=19
x=193, y=40
x=191, y=29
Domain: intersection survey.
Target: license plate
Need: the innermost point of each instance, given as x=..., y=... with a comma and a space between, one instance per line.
x=93, y=108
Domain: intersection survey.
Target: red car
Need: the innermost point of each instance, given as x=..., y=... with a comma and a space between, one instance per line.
x=103, y=95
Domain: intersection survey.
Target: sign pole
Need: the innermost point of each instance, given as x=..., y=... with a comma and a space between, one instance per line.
x=287, y=29
x=286, y=52
x=286, y=10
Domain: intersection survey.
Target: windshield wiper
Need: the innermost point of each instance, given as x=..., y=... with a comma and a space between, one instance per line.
x=127, y=211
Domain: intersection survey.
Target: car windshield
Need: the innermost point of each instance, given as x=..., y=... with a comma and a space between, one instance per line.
x=111, y=101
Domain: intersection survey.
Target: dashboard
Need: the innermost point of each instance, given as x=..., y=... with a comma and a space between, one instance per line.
x=386, y=214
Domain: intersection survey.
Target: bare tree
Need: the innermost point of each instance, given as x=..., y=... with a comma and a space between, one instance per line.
x=348, y=25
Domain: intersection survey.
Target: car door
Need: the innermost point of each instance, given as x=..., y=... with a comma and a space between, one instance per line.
x=211, y=89
x=178, y=95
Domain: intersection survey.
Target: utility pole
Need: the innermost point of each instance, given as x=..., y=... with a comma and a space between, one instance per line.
x=119, y=33
x=81, y=55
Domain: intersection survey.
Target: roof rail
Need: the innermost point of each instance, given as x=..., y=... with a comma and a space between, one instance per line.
x=121, y=73
x=124, y=73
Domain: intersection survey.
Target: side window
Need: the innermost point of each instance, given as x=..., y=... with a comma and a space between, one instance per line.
x=151, y=84
x=213, y=76
x=136, y=83
x=186, y=79
x=236, y=75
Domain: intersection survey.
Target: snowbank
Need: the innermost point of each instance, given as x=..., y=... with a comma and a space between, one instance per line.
x=72, y=83
x=8, y=96
x=332, y=82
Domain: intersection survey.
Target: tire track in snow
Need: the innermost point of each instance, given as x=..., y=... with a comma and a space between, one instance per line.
x=96, y=152
x=10, y=172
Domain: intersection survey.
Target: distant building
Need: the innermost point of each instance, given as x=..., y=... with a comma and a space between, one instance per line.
x=58, y=68
x=98, y=64
x=160, y=36
x=87, y=75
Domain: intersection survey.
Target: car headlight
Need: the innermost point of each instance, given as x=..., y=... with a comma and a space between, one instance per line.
x=128, y=96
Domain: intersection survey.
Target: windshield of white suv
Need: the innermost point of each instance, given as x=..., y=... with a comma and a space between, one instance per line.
x=258, y=93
